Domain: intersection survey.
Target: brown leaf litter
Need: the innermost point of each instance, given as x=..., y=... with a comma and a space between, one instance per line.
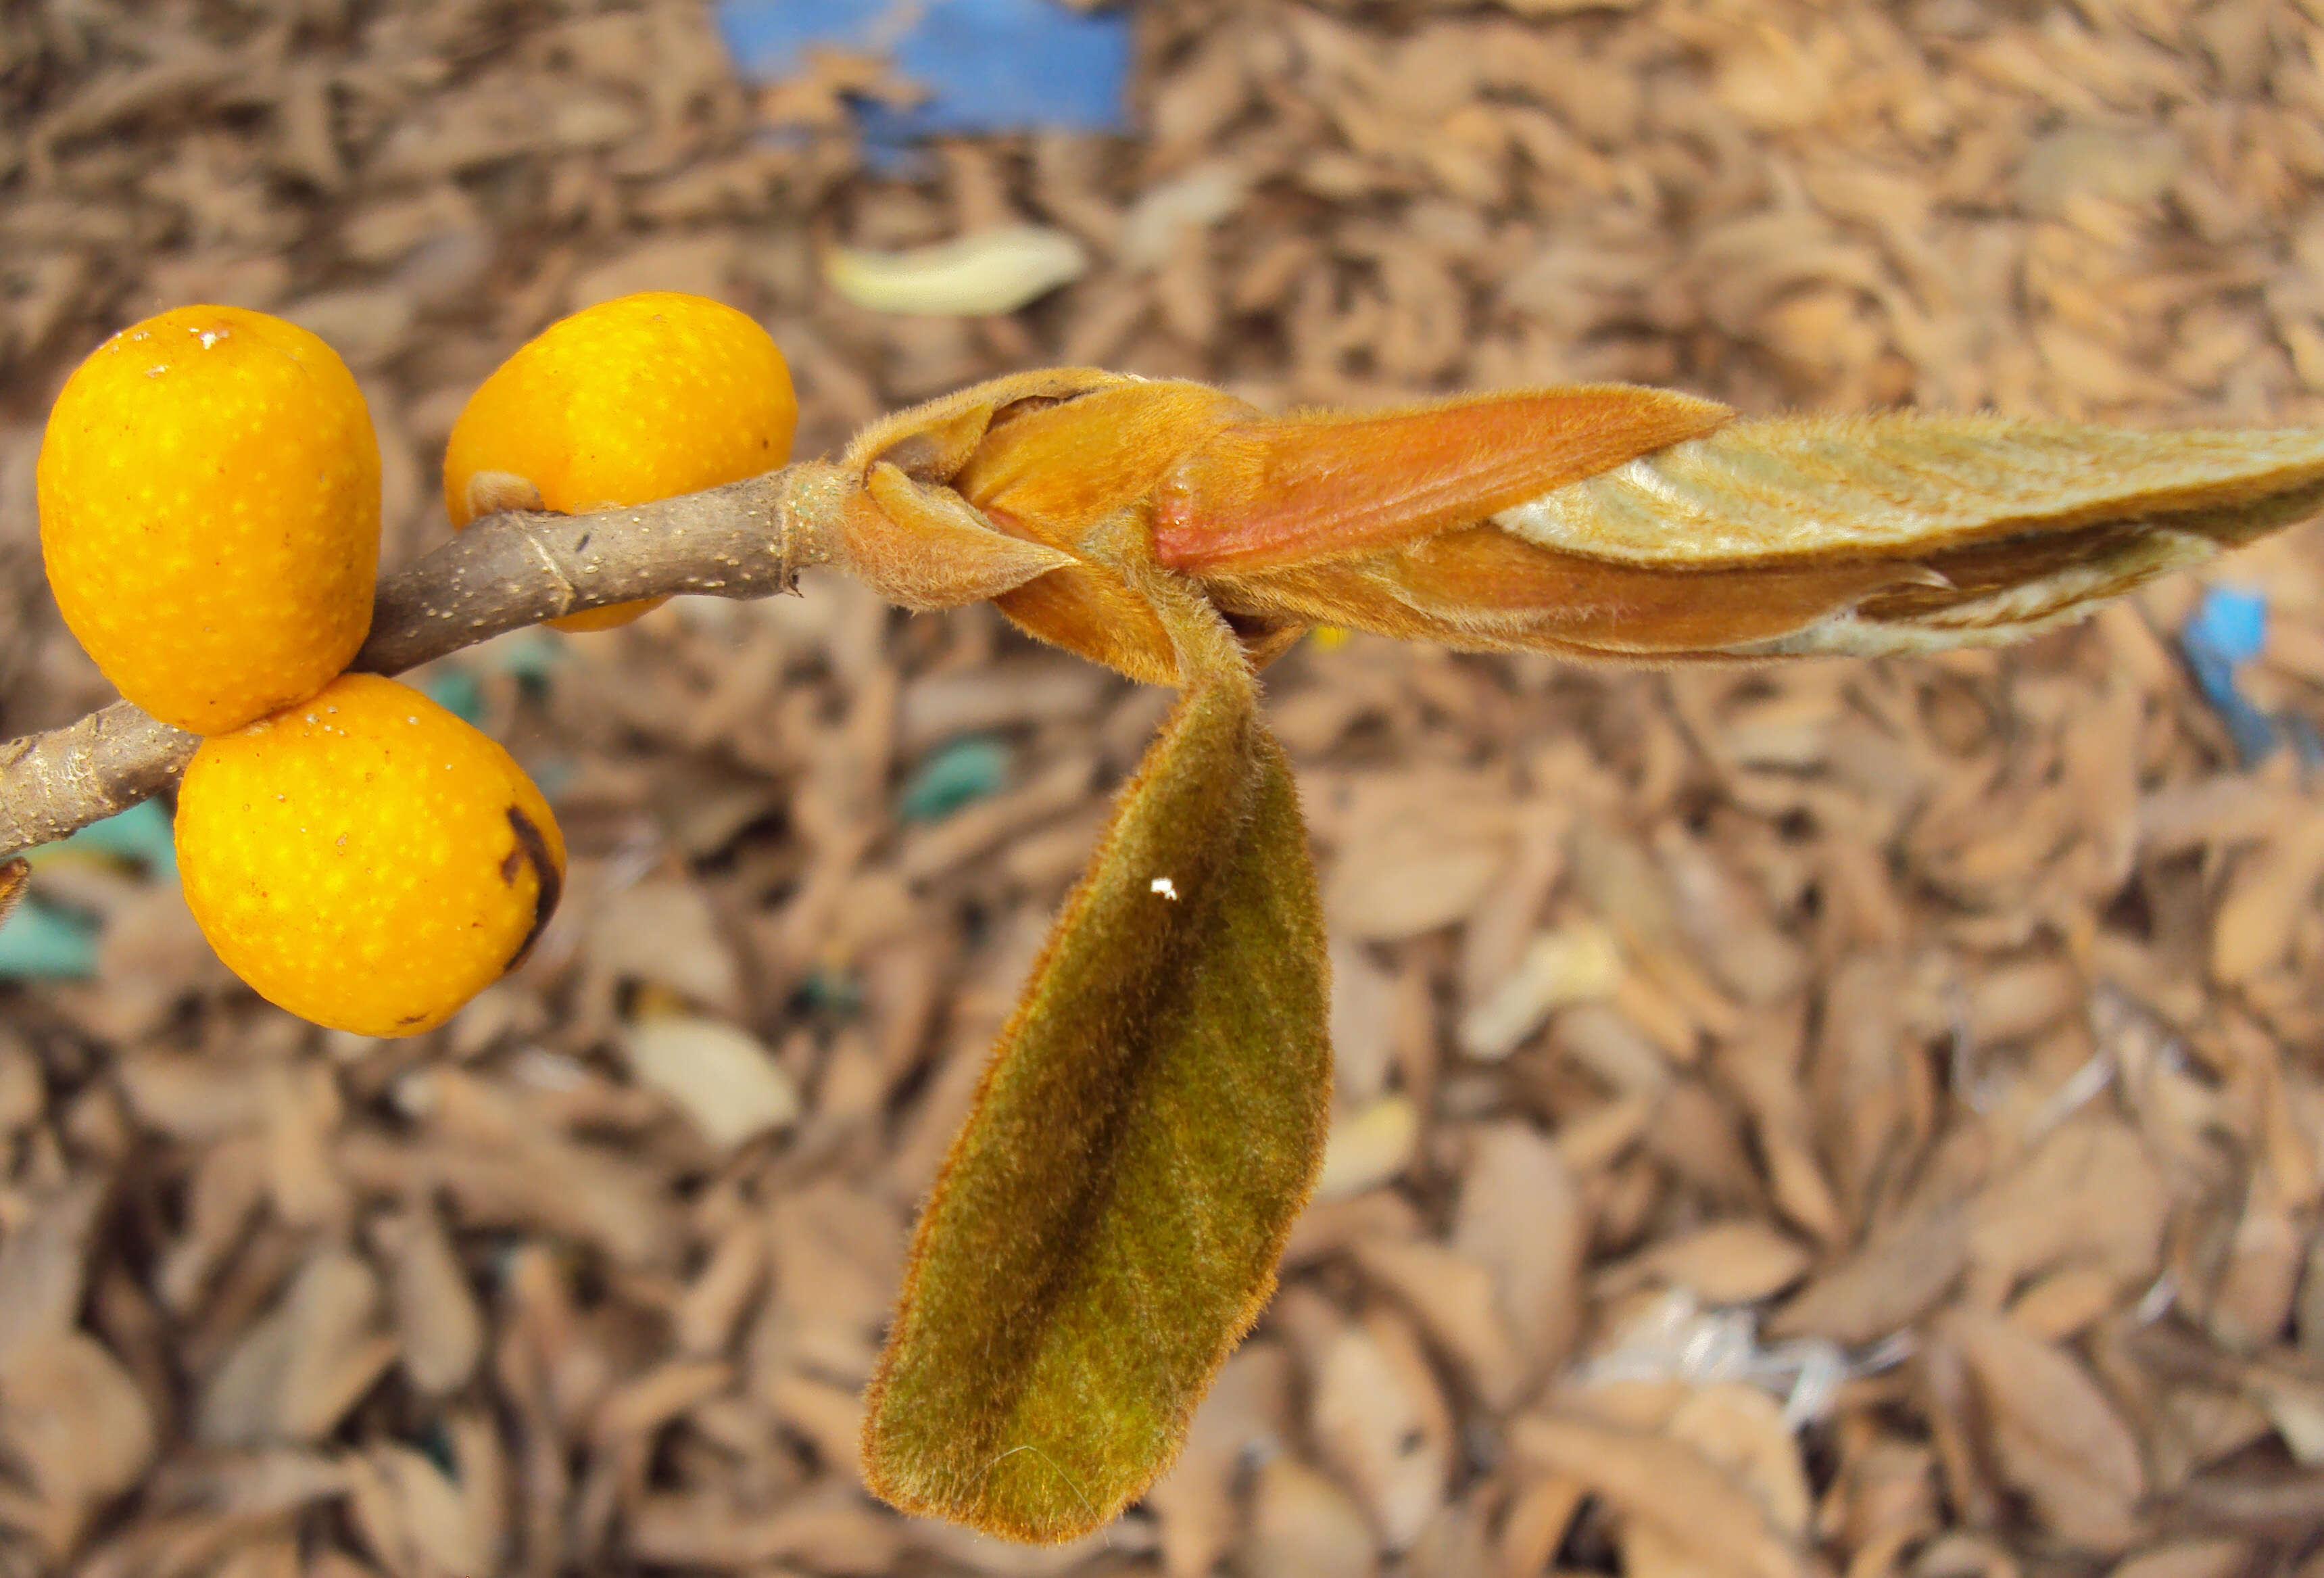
x=1862, y=1118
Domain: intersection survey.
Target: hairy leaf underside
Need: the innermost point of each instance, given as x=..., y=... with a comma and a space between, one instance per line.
x=1107, y=1225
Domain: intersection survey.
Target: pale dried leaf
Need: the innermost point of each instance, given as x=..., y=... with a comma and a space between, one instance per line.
x=829, y=1418
x=43, y=1265
x=2270, y=890
x=2088, y=1192
x=1457, y=1304
x=2186, y=1558
x=1363, y=1021
x=990, y=272
x=1368, y=1147
x=714, y=1302
x=664, y=932
x=728, y=1085
x=413, y=1517
x=1575, y=963
x=1892, y=1281
x=1413, y=861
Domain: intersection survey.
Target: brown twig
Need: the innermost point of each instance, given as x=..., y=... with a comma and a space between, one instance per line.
x=746, y=539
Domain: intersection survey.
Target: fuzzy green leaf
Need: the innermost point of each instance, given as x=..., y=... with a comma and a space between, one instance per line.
x=1107, y=1225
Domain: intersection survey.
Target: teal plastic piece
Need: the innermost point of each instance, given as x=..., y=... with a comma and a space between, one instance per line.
x=531, y=655
x=959, y=774
x=142, y=834
x=38, y=943
x=456, y=690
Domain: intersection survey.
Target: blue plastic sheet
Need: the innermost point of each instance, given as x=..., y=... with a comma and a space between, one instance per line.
x=2228, y=629
x=987, y=65
x=2231, y=622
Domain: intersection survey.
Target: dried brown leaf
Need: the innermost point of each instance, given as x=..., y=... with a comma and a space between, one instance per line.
x=1380, y=1422
x=1699, y=1511
x=294, y=1373
x=1455, y=1302
x=1248, y=1412
x=2055, y=1434
x=1897, y=1277
x=438, y=1324
x=1521, y=1216
x=43, y=1265
x=75, y=1423
x=1302, y=1525
x=1728, y=1263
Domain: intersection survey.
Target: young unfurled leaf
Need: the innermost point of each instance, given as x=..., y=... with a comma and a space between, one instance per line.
x=1601, y=521
x=1107, y=1225
x=1329, y=484
x=1803, y=536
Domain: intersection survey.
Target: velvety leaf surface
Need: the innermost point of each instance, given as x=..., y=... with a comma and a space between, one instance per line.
x=1107, y=1222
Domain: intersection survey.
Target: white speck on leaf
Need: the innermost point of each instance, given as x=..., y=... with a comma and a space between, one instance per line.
x=1164, y=886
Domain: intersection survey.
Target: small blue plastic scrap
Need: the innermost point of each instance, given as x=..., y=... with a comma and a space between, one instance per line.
x=456, y=691
x=38, y=943
x=960, y=774
x=43, y=942
x=141, y=833
x=986, y=65
x=2228, y=629
x=2232, y=621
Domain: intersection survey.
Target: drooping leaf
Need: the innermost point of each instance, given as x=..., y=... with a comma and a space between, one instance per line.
x=1107, y=1225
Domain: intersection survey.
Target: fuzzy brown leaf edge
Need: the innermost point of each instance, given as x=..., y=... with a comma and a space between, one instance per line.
x=14, y=875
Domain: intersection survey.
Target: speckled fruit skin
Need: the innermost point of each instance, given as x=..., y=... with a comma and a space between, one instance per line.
x=209, y=513
x=365, y=859
x=630, y=400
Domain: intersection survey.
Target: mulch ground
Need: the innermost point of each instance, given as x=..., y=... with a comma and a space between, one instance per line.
x=1851, y=1118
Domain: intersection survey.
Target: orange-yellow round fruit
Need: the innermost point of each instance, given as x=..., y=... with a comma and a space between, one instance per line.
x=365, y=859
x=209, y=513
x=624, y=402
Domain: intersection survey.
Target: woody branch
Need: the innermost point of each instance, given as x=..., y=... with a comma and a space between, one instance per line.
x=745, y=539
